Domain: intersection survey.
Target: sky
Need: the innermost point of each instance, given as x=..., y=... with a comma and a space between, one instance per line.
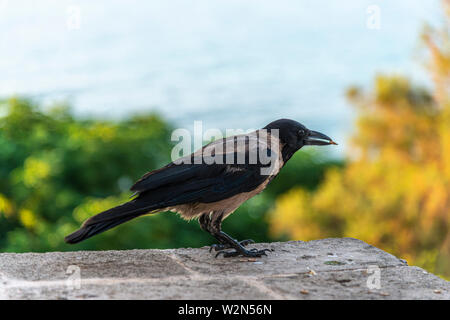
x=230, y=64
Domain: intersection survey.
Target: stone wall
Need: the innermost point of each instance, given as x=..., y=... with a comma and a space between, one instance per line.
x=321, y=269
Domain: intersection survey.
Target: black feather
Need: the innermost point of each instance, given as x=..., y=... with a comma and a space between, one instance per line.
x=177, y=184
x=107, y=220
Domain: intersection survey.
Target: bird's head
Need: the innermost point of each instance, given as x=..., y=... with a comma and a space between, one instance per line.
x=294, y=135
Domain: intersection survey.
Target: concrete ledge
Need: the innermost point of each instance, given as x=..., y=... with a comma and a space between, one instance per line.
x=320, y=269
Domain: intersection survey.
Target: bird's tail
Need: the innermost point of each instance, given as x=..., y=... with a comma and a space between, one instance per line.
x=107, y=220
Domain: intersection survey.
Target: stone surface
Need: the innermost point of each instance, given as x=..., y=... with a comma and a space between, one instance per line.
x=322, y=269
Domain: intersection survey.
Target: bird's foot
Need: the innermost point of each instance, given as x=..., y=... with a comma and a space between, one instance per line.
x=221, y=246
x=253, y=253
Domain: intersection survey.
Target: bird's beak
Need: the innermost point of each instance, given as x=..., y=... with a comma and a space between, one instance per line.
x=318, y=139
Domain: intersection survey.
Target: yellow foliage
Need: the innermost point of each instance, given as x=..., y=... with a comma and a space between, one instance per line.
x=35, y=170
x=103, y=131
x=395, y=191
x=6, y=207
x=28, y=218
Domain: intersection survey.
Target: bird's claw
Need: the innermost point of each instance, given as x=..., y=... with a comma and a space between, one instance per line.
x=221, y=246
x=253, y=253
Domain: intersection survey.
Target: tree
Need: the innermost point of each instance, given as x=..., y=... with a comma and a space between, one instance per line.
x=52, y=165
x=395, y=190
x=57, y=170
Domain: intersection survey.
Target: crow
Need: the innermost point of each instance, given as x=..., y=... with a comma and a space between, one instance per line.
x=212, y=183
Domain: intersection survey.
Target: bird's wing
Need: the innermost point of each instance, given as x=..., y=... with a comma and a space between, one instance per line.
x=177, y=184
x=204, y=189
x=191, y=182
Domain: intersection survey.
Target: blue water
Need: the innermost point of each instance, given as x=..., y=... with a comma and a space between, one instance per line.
x=232, y=64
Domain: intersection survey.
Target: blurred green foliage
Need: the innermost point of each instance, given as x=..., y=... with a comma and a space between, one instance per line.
x=57, y=170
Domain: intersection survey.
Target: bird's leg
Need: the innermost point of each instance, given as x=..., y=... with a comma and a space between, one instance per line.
x=205, y=221
x=212, y=224
x=238, y=248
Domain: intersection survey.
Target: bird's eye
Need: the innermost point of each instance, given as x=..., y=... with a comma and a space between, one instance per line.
x=301, y=132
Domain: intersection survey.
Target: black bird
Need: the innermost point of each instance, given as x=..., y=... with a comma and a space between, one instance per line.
x=198, y=187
